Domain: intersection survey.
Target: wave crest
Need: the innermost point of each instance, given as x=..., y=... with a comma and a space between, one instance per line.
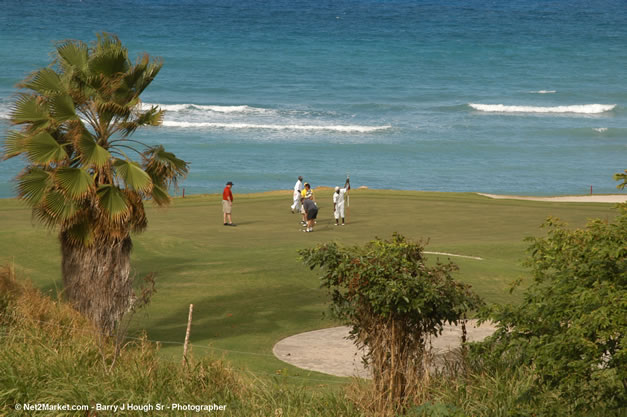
x=335, y=128
x=207, y=108
x=579, y=109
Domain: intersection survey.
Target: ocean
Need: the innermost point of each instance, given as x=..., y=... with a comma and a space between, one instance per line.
x=523, y=97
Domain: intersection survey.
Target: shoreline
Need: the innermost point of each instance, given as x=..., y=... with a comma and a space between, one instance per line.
x=600, y=198
x=585, y=198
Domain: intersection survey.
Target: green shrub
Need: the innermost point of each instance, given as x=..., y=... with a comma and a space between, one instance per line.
x=571, y=326
x=393, y=302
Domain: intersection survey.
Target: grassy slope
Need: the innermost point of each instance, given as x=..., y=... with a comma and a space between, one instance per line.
x=246, y=283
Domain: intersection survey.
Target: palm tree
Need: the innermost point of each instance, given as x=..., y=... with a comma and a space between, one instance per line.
x=75, y=120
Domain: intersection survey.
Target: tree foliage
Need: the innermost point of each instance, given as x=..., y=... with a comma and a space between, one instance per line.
x=393, y=301
x=84, y=174
x=621, y=177
x=571, y=325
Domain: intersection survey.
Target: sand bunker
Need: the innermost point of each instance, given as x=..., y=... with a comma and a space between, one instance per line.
x=613, y=198
x=329, y=351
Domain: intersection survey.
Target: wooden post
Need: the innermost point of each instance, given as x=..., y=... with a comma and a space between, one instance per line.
x=189, y=328
x=183, y=192
x=348, y=199
x=590, y=190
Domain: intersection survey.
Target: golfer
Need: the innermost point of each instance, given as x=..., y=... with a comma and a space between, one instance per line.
x=306, y=194
x=339, y=197
x=298, y=188
x=227, y=204
x=311, y=211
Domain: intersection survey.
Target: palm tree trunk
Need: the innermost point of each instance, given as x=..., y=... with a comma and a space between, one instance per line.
x=97, y=279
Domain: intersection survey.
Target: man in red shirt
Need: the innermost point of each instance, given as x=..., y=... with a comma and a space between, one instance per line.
x=227, y=204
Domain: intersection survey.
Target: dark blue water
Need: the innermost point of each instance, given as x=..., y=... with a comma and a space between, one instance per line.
x=523, y=97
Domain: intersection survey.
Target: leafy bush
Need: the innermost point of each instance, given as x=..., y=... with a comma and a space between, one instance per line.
x=570, y=327
x=394, y=302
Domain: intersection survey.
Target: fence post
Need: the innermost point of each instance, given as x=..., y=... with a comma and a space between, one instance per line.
x=189, y=328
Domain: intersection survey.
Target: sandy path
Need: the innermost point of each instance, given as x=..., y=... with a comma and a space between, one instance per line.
x=611, y=198
x=329, y=351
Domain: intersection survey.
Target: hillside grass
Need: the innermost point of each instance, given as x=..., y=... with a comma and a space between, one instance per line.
x=50, y=354
x=249, y=288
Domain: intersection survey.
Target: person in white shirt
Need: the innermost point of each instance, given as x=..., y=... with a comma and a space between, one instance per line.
x=338, y=202
x=298, y=188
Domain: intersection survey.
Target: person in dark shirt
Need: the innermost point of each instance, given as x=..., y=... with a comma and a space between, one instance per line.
x=311, y=210
x=227, y=204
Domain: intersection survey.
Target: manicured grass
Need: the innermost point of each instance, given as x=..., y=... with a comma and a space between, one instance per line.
x=247, y=284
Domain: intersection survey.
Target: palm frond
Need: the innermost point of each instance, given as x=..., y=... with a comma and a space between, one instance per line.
x=137, y=215
x=96, y=84
x=152, y=117
x=151, y=72
x=62, y=108
x=133, y=175
x=30, y=109
x=92, y=154
x=144, y=72
x=136, y=73
x=73, y=54
x=164, y=167
x=33, y=184
x=43, y=148
x=14, y=144
x=56, y=208
x=75, y=182
x=45, y=81
x=112, y=201
x=109, y=58
x=114, y=109
x=160, y=196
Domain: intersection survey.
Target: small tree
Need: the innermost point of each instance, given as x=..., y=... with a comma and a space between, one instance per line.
x=394, y=302
x=76, y=118
x=571, y=326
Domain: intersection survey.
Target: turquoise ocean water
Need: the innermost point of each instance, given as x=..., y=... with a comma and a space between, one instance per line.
x=518, y=96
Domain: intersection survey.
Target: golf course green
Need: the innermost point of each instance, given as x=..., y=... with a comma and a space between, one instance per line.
x=249, y=288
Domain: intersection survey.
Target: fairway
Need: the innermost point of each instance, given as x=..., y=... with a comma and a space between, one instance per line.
x=247, y=284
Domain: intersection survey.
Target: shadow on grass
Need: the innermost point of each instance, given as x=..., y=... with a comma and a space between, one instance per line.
x=255, y=314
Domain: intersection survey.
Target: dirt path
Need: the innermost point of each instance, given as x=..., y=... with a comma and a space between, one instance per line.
x=329, y=351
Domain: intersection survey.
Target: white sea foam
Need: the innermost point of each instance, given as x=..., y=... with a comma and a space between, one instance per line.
x=207, y=108
x=600, y=129
x=5, y=111
x=579, y=109
x=335, y=128
x=544, y=92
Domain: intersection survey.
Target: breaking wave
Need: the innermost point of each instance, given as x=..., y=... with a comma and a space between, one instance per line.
x=335, y=128
x=207, y=108
x=197, y=116
x=579, y=109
